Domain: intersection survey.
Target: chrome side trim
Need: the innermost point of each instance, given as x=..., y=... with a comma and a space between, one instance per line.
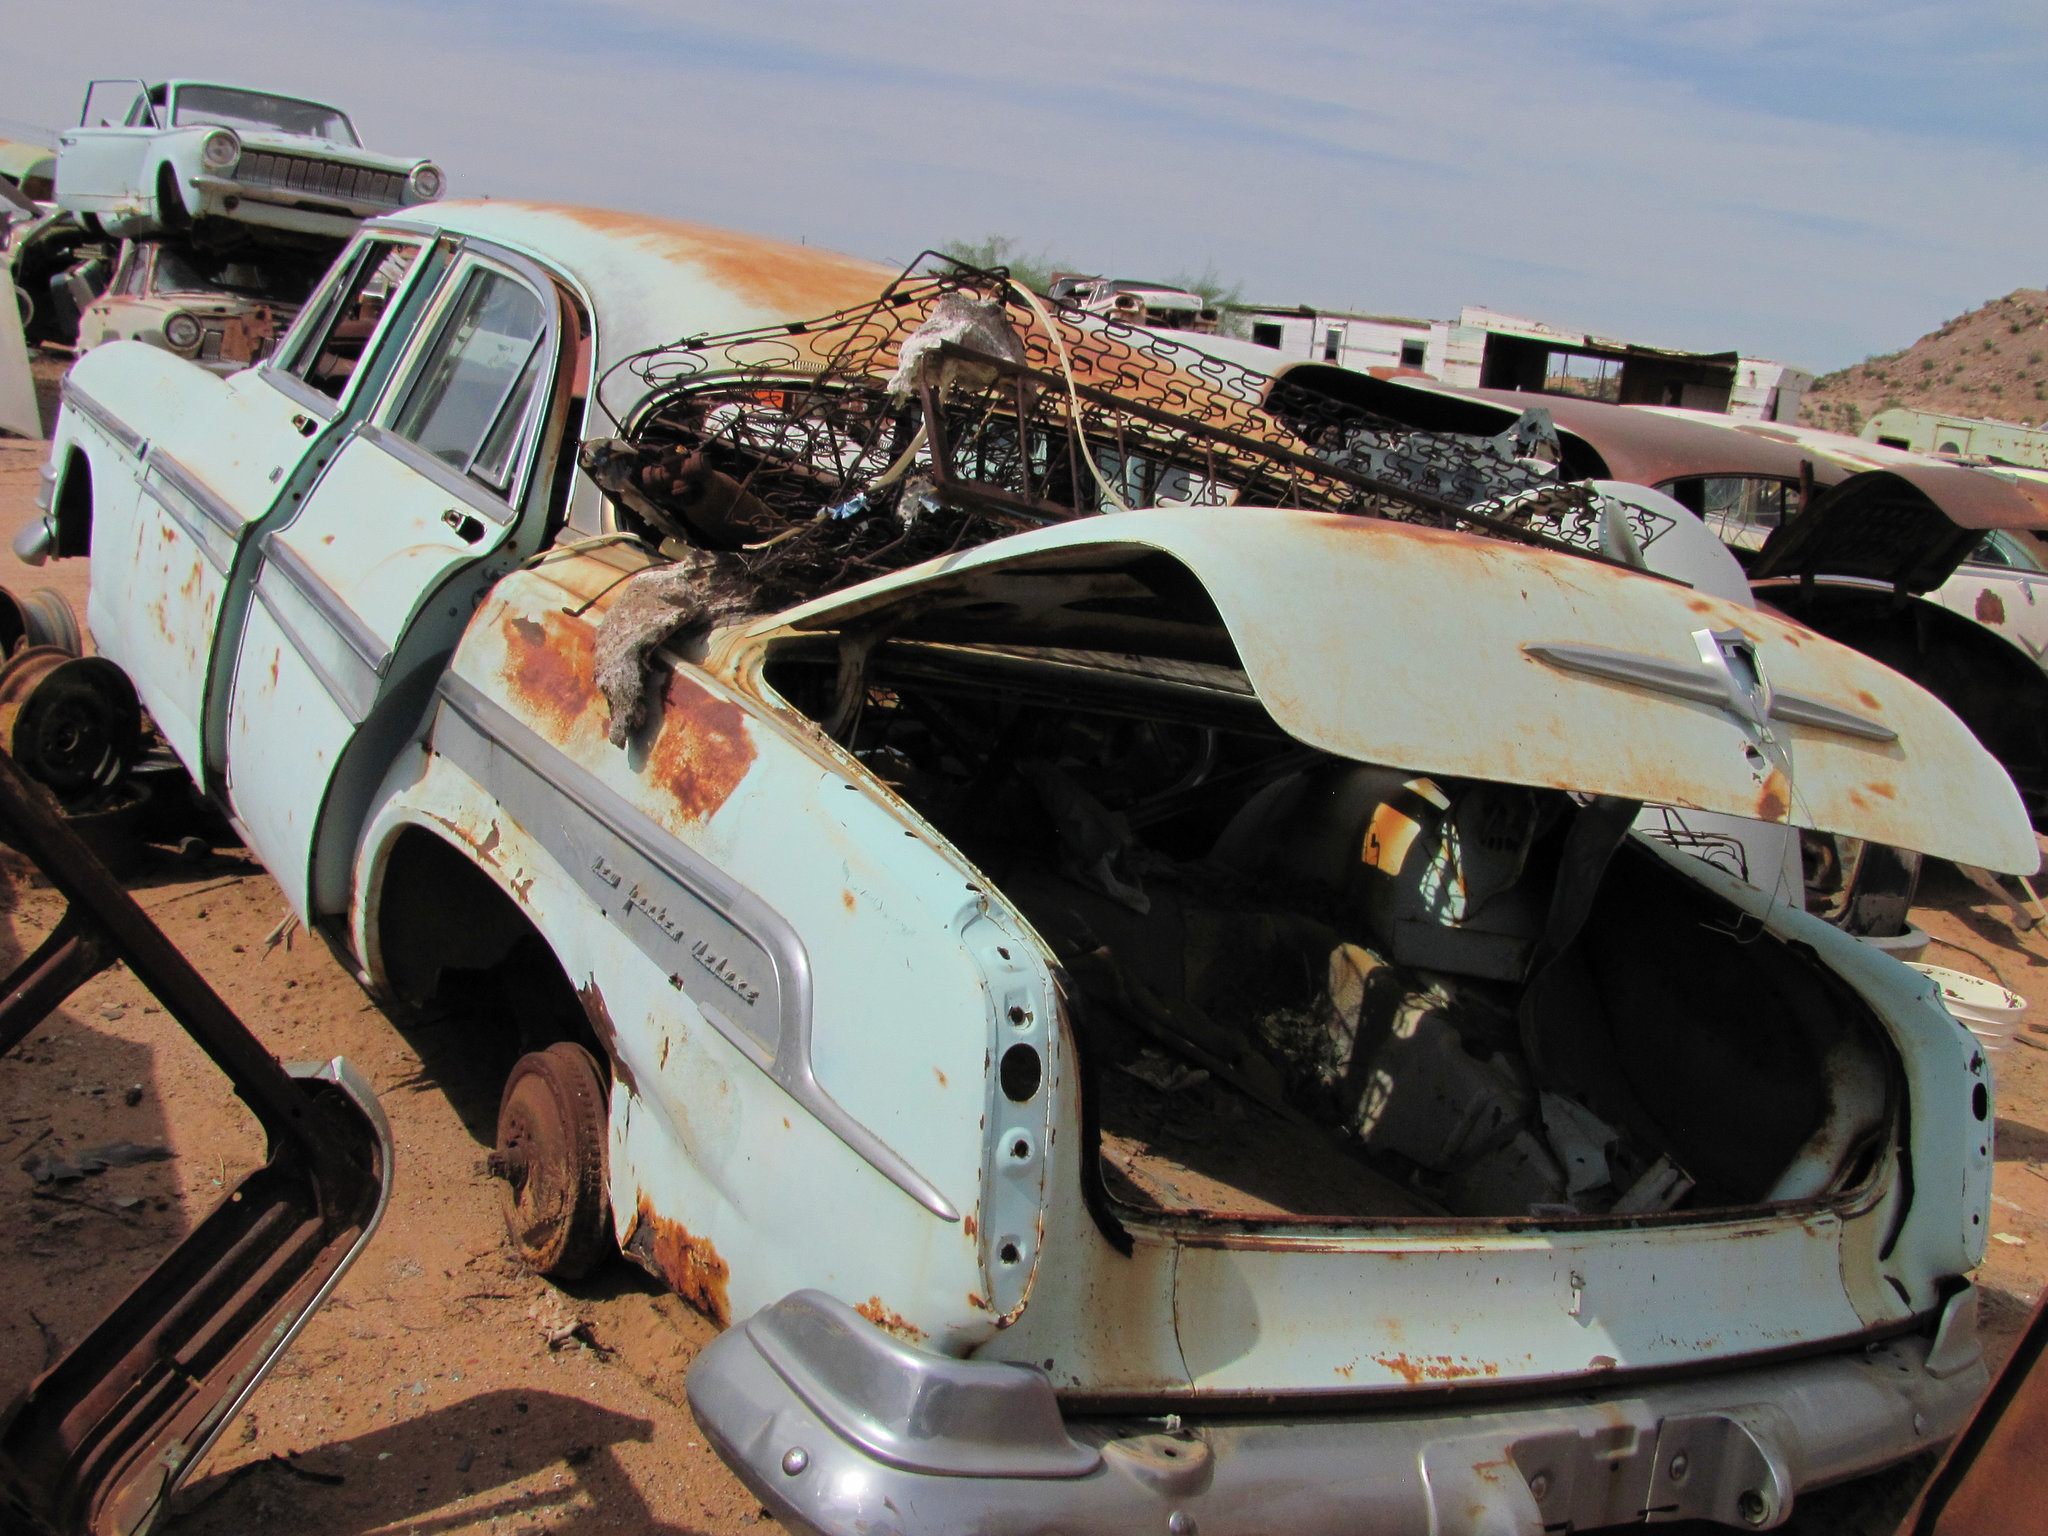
x=1688, y=680
x=102, y=418
x=346, y=657
x=207, y=520
x=716, y=940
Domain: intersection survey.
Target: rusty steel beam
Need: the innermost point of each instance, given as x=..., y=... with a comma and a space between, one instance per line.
x=1994, y=1477
x=100, y=1441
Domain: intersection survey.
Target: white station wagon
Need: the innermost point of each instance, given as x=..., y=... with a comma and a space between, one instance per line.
x=1144, y=1021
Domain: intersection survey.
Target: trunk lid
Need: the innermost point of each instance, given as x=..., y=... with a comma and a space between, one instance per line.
x=1446, y=653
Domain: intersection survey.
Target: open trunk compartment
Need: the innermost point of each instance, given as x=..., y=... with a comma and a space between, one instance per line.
x=1309, y=990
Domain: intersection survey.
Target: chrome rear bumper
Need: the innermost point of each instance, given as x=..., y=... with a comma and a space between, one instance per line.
x=842, y=1429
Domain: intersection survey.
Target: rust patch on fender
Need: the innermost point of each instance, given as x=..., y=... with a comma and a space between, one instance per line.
x=703, y=750
x=600, y=1017
x=1867, y=699
x=551, y=668
x=1416, y=1369
x=973, y=1227
x=1775, y=800
x=890, y=1322
x=1881, y=789
x=689, y=1264
x=1990, y=607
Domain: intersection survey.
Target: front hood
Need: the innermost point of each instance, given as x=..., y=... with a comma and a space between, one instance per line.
x=1445, y=653
x=327, y=149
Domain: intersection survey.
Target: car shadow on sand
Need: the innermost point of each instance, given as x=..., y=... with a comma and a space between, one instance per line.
x=451, y=1469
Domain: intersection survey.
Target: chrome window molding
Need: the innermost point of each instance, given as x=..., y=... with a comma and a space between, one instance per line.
x=670, y=903
x=426, y=336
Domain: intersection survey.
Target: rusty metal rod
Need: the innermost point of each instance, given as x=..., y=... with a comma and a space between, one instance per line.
x=262, y=1083
x=76, y=951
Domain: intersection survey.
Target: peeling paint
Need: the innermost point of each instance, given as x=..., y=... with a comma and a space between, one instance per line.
x=689, y=1263
x=877, y=1313
x=704, y=748
x=551, y=669
x=594, y=1009
x=1416, y=1369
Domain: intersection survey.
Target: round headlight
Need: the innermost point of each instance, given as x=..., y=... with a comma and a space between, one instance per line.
x=220, y=150
x=427, y=183
x=182, y=331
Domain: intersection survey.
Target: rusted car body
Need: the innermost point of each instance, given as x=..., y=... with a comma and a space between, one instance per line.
x=224, y=311
x=1152, y=1019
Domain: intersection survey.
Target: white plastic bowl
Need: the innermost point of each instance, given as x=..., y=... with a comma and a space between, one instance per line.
x=1989, y=1011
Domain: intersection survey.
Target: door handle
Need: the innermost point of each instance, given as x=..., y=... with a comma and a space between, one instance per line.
x=307, y=425
x=467, y=528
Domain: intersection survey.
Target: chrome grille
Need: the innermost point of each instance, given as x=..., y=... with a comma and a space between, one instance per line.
x=320, y=178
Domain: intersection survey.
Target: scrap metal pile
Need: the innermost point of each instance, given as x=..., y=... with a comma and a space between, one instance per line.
x=956, y=409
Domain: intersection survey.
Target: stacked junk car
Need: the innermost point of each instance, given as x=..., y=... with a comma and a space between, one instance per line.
x=1159, y=951
x=196, y=217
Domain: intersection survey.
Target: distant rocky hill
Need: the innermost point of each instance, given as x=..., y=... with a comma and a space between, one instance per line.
x=1990, y=362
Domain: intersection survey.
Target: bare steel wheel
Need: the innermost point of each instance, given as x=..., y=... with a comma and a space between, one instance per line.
x=551, y=1134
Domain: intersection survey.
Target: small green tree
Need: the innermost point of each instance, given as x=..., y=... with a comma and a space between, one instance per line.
x=1034, y=272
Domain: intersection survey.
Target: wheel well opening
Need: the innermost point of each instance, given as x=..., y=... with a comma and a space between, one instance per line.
x=485, y=982
x=72, y=506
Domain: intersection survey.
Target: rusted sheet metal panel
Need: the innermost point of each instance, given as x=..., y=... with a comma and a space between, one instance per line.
x=1994, y=1478
x=1442, y=679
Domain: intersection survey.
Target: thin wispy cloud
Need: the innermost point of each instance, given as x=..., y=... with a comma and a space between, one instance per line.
x=1811, y=179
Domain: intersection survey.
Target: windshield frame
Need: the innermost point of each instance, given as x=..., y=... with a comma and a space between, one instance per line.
x=255, y=122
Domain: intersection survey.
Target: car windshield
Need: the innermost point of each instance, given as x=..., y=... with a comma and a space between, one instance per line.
x=277, y=276
x=260, y=112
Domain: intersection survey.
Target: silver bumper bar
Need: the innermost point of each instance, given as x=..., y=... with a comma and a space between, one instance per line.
x=842, y=1429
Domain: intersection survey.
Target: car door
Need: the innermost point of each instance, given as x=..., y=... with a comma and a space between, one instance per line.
x=357, y=600
x=100, y=161
x=162, y=596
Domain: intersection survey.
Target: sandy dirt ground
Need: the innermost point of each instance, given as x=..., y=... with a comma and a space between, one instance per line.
x=425, y=1398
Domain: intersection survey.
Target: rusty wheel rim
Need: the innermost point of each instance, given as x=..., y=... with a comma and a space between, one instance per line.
x=550, y=1158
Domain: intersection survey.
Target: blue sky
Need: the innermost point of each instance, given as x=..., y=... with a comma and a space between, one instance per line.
x=1812, y=180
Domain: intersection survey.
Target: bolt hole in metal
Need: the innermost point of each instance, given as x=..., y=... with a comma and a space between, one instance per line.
x=1020, y=1149
x=1009, y=1252
x=1753, y=1507
x=1980, y=1102
x=1020, y=1016
x=1020, y=1074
